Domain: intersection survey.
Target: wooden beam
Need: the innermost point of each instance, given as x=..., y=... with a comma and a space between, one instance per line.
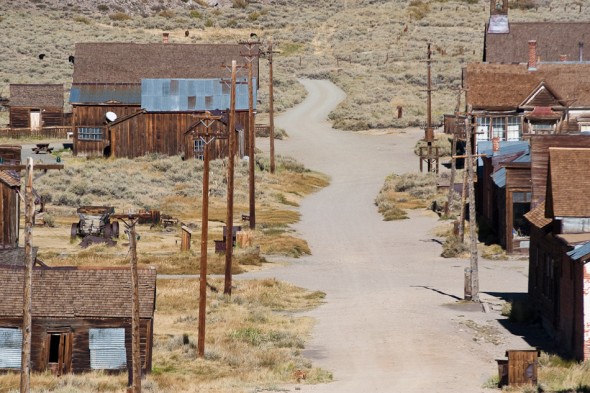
x=40, y=167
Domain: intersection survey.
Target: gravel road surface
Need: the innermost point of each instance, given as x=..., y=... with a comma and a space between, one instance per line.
x=392, y=321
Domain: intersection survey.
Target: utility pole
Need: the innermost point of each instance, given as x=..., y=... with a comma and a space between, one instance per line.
x=448, y=207
x=135, y=334
x=472, y=293
x=205, y=121
x=271, y=108
x=25, y=376
x=250, y=57
x=430, y=157
x=229, y=242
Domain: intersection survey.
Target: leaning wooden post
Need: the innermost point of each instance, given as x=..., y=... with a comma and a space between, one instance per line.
x=251, y=147
x=25, y=376
x=463, y=203
x=229, y=243
x=474, y=295
x=135, y=335
x=271, y=109
x=448, y=207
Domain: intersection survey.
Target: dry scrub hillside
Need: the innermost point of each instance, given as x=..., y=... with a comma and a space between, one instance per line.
x=373, y=49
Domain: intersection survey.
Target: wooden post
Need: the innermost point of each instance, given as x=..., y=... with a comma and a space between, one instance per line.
x=185, y=241
x=474, y=296
x=463, y=203
x=135, y=336
x=251, y=146
x=25, y=376
x=203, y=267
x=271, y=109
x=449, y=204
x=230, y=182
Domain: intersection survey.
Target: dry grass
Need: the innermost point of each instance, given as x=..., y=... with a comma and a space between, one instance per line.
x=409, y=191
x=253, y=341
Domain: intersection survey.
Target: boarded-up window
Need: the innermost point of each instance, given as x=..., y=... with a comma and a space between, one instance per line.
x=173, y=87
x=90, y=133
x=192, y=102
x=107, y=349
x=11, y=343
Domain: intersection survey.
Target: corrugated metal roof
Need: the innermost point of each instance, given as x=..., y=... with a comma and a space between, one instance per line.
x=500, y=177
x=102, y=93
x=579, y=251
x=175, y=95
x=506, y=147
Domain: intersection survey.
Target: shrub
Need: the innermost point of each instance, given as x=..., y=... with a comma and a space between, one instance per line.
x=209, y=23
x=453, y=247
x=239, y=3
x=82, y=19
x=195, y=14
x=167, y=14
x=103, y=7
x=119, y=16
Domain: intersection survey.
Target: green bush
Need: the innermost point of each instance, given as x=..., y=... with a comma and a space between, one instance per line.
x=119, y=16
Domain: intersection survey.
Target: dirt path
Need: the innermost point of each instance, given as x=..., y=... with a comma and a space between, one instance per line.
x=391, y=322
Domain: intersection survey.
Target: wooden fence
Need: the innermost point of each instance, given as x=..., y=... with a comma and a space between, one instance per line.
x=41, y=133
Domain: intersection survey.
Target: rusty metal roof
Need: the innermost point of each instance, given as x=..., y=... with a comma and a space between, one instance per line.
x=78, y=292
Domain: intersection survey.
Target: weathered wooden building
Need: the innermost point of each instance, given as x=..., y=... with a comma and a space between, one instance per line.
x=559, y=284
x=81, y=318
x=9, y=198
x=514, y=101
x=503, y=191
x=36, y=106
x=151, y=92
x=505, y=41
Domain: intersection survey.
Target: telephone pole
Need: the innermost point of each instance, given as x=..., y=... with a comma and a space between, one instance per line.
x=25, y=376
x=250, y=57
x=431, y=155
x=135, y=320
x=472, y=293
x=205, y=123
x=271, y=108
x=229, y=242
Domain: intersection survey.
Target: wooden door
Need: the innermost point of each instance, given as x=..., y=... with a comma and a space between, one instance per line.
x=35, y=119
x=58, y=348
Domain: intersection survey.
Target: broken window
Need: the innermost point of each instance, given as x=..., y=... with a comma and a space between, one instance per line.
x=90, y=133
x=199, y=149
x=107, y=349
x=11, y=342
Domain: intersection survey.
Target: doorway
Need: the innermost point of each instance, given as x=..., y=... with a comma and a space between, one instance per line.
x=58, y=347
x=35, y=119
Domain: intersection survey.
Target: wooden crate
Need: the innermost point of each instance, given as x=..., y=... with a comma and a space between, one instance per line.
x=522, y=367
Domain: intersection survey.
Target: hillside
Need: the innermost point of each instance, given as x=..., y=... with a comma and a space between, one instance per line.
x=373, y=49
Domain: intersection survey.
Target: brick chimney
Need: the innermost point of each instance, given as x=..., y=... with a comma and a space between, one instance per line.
x=495, y=144
x=165, y=37
x=562, y=58
x=532, y=55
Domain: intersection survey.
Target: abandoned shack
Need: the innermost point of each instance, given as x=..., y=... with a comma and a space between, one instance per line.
x=505, y=41
x=559, y=284
x=36, y=106
x=149, y=92
x=81, y=318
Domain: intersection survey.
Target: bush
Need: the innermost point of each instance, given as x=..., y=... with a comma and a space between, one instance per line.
x=453, y=247
x=103, y=7
x=195, y=14
x=239, y=3
x=119, y=16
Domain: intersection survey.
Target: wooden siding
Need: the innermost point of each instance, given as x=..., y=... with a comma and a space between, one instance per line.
x=518, y=179
x=20, y=117
x=164, y=133
x=540, y=145
x=80, y=352
x=94, y=116
x=9, y=215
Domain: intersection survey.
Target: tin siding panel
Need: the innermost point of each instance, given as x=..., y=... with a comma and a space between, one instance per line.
x=11, y=342
x=107, y=349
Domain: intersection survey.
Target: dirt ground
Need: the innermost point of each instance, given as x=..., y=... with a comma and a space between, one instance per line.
x=393, y=319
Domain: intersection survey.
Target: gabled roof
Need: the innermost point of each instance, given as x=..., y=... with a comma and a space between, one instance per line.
x=37, y=95
x=506, y=86
x=111, y=63
x=543, y=95
x=569, y=182
x=78, y=292
x=553, y=39
x=537, y=216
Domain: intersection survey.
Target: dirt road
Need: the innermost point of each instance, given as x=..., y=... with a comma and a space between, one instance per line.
x=391, y=322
